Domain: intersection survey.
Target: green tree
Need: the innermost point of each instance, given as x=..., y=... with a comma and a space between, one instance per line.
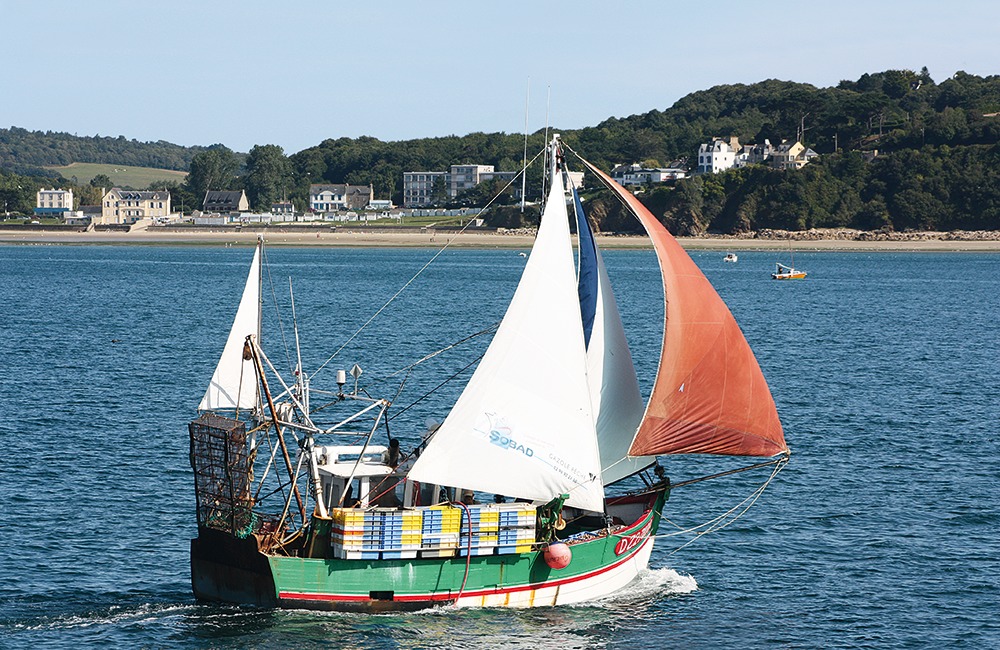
x=268, y=177
x=214, y=169
x=102, y=180
x=493, y=191
x=439, y=192
x=685, y=209
x=510, y=216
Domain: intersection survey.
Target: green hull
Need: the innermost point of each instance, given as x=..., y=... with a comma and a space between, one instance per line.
x=224, y=568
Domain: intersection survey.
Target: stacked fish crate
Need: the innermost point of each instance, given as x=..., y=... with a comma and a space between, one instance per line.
x=516, y=532
x=497, y=529
x=440, y=530
x=479, y=536
x=433, y=532
x=375, y=534
x=352, y=536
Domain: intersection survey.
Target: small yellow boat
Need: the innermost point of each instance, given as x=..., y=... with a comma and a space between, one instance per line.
x=783, y=272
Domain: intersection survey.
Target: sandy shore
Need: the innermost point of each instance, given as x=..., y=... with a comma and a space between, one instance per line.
x=369, y=238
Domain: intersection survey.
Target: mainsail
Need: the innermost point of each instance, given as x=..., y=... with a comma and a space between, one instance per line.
x=523, y=426
x=614, y=387
x=234, y=384
x=710, y=396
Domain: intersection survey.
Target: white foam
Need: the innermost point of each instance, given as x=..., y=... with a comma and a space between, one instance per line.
x=114, y=615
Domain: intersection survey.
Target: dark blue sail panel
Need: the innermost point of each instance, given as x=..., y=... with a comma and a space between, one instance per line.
x=587, y=281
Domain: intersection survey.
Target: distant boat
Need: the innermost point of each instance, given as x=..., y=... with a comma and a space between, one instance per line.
x=730, y=257
x=783, y=272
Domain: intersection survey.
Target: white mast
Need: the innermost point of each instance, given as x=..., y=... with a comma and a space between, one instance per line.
x=524, y=160
x=524, y=426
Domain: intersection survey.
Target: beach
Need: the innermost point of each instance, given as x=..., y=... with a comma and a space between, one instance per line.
x=369, y=237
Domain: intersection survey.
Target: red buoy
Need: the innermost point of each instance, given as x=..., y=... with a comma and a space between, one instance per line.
x=558, y=555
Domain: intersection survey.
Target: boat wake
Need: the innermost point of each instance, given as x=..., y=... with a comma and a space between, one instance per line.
x=655, y=583
x=110, y=616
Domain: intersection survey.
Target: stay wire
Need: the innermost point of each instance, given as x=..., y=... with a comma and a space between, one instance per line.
x=433, y=390
x=419, y=272
x=725, y=519
x=486, y=330
x=277, y=312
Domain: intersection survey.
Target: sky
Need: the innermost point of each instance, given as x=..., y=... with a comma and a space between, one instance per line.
x=294, y=73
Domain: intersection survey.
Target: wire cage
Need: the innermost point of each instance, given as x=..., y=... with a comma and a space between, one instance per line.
x=222, y=464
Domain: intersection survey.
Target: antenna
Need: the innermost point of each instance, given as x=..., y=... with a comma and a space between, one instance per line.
x=545, y=157
x=524, y=160
x=356, y=373
x=800, y=136
x=300, y=379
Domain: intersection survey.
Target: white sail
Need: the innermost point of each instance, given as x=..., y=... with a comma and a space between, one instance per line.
x=614, y=387
x=524, y=427
x=234, y=384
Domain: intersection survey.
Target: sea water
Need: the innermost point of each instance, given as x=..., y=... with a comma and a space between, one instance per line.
x=881, y=532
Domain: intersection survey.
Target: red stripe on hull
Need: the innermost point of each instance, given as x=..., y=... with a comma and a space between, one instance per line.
x=450, y=596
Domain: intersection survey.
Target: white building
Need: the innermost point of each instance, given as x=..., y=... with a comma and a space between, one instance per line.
x=754, y=154
x=339, y=197
x=717, y=156
x=636, y=174
x=418, y=187
x=380, y=205
x=53, y=202
x=465, y=177
x=128, y=206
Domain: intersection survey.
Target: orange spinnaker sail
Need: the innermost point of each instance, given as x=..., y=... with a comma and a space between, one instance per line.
x=710, y=396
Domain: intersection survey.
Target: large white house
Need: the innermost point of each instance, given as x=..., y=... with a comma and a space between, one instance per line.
x=53, y=202
x=128, y=206
x=339, y=197
x=717, y=156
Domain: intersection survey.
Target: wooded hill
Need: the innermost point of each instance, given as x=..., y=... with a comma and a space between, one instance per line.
x=28, y=152
x=937, y=165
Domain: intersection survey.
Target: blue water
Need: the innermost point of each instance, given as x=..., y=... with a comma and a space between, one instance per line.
x=883, y=531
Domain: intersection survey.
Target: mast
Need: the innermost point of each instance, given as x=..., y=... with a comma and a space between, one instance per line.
x=524, y=159
x=524, y=425
x=614, y=386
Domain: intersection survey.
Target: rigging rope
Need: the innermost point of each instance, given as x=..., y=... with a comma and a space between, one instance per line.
x=277, y=312
x=487, y=330
x=418, y=273
x=433, y=390
x=727, y=518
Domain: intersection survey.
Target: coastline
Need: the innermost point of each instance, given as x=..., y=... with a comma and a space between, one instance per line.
x=361, y=238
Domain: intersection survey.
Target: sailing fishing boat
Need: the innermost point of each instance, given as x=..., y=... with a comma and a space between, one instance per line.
x=372, y=527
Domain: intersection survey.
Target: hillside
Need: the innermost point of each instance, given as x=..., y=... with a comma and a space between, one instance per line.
x=897, y=151
x=120, y=175
x=29, y=152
